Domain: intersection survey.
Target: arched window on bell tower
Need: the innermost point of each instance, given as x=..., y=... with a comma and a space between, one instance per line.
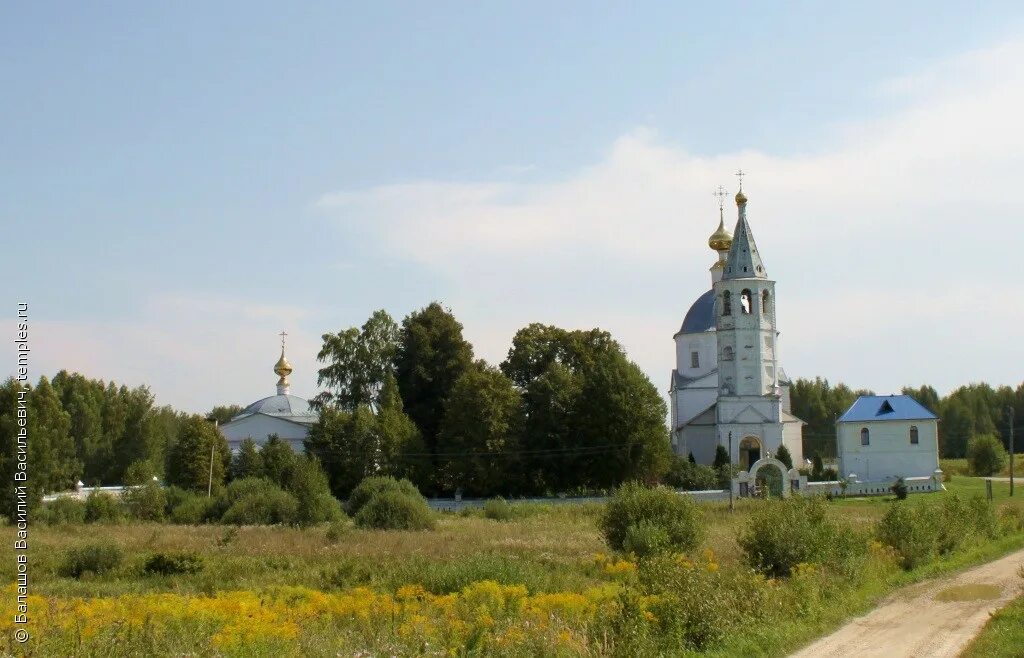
x=766, y=302
x=747, y=301
x=726, y=303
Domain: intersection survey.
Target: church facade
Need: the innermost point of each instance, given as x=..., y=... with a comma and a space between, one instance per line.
x=728, y=388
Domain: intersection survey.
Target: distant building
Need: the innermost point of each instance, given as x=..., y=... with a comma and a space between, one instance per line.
x=288, y=416
x=727, y=379
x=884, y=437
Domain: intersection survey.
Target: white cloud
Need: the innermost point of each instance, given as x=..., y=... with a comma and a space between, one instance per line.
x=895, y=244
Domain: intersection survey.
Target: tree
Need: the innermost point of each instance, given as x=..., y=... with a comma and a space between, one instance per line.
x=346, y=444
x=399, y=447
x=956, y=428
x=278, y=458
x=247, y=462
x=358, y=362
x=308, y=483
x=986, y=455
x=431, y=356
x=224, y=413
x=51, y=450
x=721, y=458
x=479, y=435
x=783, y=456
x=817, y=467
x=189, y=463
x=593, y=419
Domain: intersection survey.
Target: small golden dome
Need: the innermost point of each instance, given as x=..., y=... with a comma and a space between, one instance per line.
x=721, y=239
x=282, y=368
x=741, y=198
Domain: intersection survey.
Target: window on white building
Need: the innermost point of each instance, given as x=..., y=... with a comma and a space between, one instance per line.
x=765, y=299
x=727, y=353
x=913, y=435
x=746, y=301
x=865, y=437
x=694, y=359
x=726, y=303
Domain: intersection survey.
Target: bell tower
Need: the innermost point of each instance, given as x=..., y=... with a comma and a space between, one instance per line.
x=749, y=396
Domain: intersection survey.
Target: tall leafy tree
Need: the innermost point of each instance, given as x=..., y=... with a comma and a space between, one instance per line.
x=247, y=462
x=357, y=363
x=479, y=437
x=431, y=356
x=346, y=444
x=189, y=463
x=55, y=465
x=277, y=457
x=224, y=412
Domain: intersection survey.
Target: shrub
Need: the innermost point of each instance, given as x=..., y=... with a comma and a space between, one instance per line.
x=899, y=489
x=171, y=564
x=146, y=502
x=911, y=530
x=337, y=530
x=372, y=486
x=139, y=472
x=783, y=533
x=986, y=455
x=675, y=515
x=101, y=507
x=498, y=509
x=645, y=539
x=191, y=510
x=269, y=507
x=395, y=510
x=690, y=476
x=91, y=558
x=1011, y=519
x=63, y=510
x=307, y=481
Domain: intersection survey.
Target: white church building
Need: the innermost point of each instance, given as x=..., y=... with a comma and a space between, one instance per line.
x=728, y=388
x=286, y=415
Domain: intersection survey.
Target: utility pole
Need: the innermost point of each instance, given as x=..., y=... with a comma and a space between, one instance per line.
x=1009, y=416
x=729, y=466
x=213, y=445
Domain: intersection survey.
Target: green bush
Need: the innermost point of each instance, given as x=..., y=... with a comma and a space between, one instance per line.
x=307, y=481
x=269, y=507
x=146, y=502
x=690, y=476
x=394, y=510
x=172, y=564
x=782, y=533
x=498, y=509
x=91, y=558
x=645, y=538
x=912, y=530
x=986, y=455
x=191, y=509
x=337, y=530
x=675, y=516
x=899, y=489
x=101, y=507
x=694, y=605
x=371, y=486
x=61, y=511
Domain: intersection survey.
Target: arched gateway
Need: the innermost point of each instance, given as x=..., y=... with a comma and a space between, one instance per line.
x=779, y=482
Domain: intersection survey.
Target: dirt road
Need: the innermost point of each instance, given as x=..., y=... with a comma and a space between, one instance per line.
x=933, y=619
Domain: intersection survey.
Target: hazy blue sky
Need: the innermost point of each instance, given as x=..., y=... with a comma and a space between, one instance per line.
x=178, y=182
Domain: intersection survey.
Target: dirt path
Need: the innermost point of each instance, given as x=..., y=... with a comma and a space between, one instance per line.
x=919, y=621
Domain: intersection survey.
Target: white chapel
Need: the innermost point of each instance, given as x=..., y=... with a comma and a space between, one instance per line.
x=728, y=387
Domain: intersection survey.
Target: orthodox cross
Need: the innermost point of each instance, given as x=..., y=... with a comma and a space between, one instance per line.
x=740, y=174
x=283, y=334
x=721, y=193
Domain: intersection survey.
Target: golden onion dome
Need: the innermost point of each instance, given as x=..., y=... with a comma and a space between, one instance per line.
x=282, y=368
x=721, y=239
x=741, y=198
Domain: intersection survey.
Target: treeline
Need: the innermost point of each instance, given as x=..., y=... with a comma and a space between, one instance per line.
x=80, y=428
x=565, y=411
x=969, y=411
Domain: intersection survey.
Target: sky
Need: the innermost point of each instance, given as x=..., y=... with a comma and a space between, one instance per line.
x=179, y=182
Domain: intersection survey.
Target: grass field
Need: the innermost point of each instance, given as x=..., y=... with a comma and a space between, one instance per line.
x=541, y=583
x=1003, y=636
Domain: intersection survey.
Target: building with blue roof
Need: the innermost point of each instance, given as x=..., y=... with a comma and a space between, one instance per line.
x=884, y=437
